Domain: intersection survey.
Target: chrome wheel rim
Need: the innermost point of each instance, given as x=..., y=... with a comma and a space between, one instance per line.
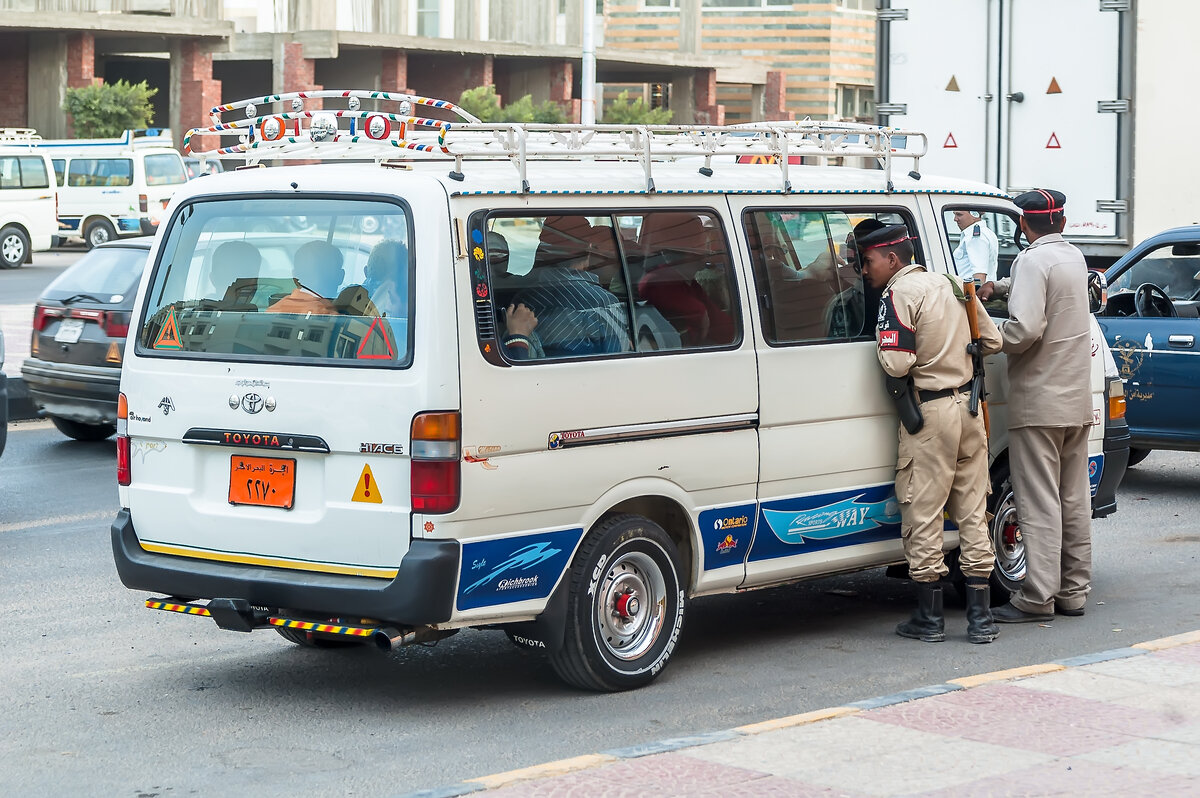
x=1007, y=540
x=13, y=249
x=631, y=605
x=99, y=235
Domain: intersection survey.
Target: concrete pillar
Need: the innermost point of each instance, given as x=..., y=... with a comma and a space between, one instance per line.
x=14, y=80
x=756, y=102
x=683, y=99
x=690, y=27
x=393, y=71
x=707, y=111
x=775, y=98
x=48, y=84
x=197, y=91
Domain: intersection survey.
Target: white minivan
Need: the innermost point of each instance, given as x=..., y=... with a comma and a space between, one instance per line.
x=110, y=188
x=28, y=205
x=338, y=419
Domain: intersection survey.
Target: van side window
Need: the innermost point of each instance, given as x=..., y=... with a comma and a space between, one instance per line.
x=60, y=170
x=17, y=172
x=613, y=284
x=91, y=172
x=808, y=278
x=983, y=244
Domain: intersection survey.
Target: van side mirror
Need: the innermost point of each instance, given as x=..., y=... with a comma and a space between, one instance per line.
x=1097, y=292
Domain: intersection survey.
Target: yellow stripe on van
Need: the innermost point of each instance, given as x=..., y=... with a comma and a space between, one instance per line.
x=272, y=562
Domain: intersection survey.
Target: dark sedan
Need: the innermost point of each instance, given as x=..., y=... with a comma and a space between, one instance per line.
x=79, y=328
x=1152, y=324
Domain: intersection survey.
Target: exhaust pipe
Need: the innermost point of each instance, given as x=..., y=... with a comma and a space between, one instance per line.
x=389, y=637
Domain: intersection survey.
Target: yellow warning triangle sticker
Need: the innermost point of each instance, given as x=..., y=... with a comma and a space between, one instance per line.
x=953, y=84
x=168, y=336
x=1054, y=87
x=1053, y=144
x=114, y=353
x=367, y=489
x=950, y=144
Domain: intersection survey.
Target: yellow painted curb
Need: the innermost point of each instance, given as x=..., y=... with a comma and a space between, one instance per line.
x=1169, y=642
x=1011, y=673
x=797, y=720
x=544, y=771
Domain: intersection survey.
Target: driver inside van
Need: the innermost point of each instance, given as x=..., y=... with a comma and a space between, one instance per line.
x=234, y=271
x=318, y=274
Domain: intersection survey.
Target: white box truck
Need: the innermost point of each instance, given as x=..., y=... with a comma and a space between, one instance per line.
x=1086, y=96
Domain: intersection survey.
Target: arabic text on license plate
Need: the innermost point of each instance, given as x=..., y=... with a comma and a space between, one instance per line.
x=69, y=331
x=263, y=481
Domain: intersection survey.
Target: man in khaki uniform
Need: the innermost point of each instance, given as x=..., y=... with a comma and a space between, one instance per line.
x=923, y=333
x=1048, y=341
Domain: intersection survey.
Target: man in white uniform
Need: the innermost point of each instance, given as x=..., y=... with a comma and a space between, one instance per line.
x=976, y=254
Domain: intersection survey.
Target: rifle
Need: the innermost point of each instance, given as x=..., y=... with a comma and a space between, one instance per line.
x=975, y=348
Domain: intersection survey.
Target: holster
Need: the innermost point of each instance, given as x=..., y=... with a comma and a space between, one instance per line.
x=905, y=396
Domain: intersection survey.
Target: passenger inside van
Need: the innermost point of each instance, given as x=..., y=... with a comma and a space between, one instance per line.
x=318, y=273
x=577, y=316
x=386, y=278
x=234, y=272
x=671, y=281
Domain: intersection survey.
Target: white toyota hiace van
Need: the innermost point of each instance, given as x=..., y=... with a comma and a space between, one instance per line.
x=555, y=380
x=28, y=204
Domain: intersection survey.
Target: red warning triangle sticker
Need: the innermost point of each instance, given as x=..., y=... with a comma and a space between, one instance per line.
x=168, y=336
x=950, y=144
x=953, y=84
x=1054, y=87
x=377, y=333
x=1053, y=144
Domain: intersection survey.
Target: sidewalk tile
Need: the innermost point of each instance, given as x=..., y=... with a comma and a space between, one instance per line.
x=1155, y=668
x=1190, y=654
x=1085, y=684
x=1180, y=704
x=776, y=787
x=572, y=785
x=859, y=755
x=1072, y=778
x=672, y=771
x=1153, y=755
x=1037, y=720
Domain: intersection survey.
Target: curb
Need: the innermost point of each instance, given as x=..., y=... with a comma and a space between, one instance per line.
x=586, y=761
x=20, y=404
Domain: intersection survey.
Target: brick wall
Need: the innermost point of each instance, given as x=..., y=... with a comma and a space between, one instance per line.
x=393, y=72
x=14, y=79
x=198, y=92
x=299, y=74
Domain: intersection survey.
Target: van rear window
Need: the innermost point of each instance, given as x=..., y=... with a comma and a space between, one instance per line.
x=284, y=280
x=165, y=170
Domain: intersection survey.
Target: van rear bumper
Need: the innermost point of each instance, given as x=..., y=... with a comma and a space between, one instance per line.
x=1116, y=457
x=421, y=593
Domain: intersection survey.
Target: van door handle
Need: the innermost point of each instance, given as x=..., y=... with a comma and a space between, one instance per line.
x=1182, y=341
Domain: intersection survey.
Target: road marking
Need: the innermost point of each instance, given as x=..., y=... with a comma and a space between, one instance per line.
x=18, y=526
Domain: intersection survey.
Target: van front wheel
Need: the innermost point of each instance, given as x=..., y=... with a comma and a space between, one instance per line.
x=625, y=608
x=14, y=247
x=99, y=232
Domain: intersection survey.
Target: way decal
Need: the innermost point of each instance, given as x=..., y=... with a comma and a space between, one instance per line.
x=950, y=144
x=376, y=340
x=1053, y=144
x=367, y=489
x=1054, y=87
x=514, y=569
x=953, y=84
x=806, y=524
x=168, y=336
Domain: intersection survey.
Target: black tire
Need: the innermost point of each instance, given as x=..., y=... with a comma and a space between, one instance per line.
x=307, y=639
x=1009, y=571
x=626, y=561
x=99, y=231
x=1136, y=456
x=83, y=432
x=14, y=247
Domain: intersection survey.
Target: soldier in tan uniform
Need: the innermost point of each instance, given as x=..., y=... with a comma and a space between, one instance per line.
x=1048, y=341
x=923, y=333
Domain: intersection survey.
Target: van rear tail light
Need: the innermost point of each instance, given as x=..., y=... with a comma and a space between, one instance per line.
x=42, y=314
x=435, y=474
x=1116, y=399
x=124, y=460
x=143, y=203
x=116, y=323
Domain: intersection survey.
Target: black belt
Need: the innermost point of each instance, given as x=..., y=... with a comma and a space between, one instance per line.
x=928, y=396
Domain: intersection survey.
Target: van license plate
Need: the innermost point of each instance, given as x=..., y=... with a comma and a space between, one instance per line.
x=263, y=481
x=69, y=331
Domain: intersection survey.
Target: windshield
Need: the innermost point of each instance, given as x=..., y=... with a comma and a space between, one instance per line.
x=1175, y=268
x=165, y=169
x=109, y=274
x=284, y=280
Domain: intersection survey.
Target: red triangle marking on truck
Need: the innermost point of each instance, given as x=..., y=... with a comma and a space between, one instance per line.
x=376, y=325
x=1054, y=87
x=1053, y=144
x=950, y=144
x=953, y=84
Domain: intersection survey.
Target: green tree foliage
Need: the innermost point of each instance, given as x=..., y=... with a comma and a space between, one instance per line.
x=484, y=103
x=623, y=112
x=105, y=110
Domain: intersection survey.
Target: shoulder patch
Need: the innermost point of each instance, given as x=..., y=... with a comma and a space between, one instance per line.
x=978, y=231
x=893, y=334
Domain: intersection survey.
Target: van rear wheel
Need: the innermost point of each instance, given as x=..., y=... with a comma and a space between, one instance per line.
x=625, y=608
x=99, y=231
x=1008, y=573
x=83, y=432
x=14, y=247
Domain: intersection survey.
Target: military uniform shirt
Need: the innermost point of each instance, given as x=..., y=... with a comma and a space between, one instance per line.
x=923, y=330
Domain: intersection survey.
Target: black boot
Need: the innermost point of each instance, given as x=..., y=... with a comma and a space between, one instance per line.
x=981, y=628
x=927, y=623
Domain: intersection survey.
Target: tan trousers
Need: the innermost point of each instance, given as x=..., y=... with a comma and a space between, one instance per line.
x=944, y=467
x=1050, y=485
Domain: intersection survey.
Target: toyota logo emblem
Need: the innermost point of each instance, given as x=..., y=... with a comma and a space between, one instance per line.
x=252, y=403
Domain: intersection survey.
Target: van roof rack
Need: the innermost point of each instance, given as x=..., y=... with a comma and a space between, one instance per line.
x=19, y=135
x=266, y=133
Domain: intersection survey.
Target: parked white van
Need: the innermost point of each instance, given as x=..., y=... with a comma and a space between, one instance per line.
x=338, y=421
x=28, y=206
x=110, y=188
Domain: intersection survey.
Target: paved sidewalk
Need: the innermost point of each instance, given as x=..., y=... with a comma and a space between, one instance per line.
x=1122, y=722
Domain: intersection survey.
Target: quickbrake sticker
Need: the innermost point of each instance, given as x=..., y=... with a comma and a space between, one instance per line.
x=514, y=569
x=1095, y=471
x=804, y=524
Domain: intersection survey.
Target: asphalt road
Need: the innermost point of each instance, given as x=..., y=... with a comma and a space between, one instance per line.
x=103, y=697
x=24, y=285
